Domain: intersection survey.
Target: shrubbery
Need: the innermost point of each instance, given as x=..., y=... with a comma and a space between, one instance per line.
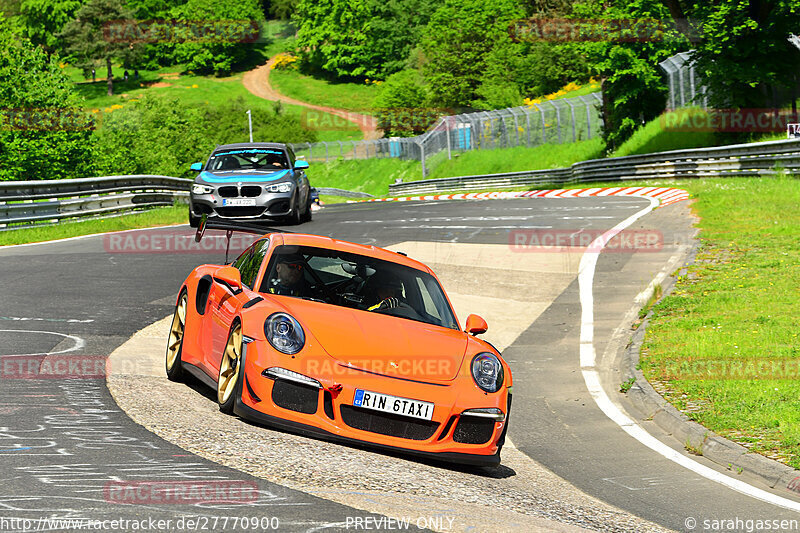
x=44, y=134
x=163, y=136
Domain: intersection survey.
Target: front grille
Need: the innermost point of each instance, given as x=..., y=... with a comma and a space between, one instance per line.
x=473, y=430
x=388, y=424
x=251, y=191
x=240, y=211
x=228, y=192
x=295, y=396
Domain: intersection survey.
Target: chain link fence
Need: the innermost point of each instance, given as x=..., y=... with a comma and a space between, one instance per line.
x=685, y=87
x=550, y=122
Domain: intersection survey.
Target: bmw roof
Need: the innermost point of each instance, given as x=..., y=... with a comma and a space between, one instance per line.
x=236, y=146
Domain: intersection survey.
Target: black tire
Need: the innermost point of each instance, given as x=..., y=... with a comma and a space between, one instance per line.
x=177, y=332
x=307, y=215
x=193, y=220
x=228, y=385
x=295, y=217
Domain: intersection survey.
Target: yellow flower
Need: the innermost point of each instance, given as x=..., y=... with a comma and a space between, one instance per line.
x=116, y=106
x=195, y=86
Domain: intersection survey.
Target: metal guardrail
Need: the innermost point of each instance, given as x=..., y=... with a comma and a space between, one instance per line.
x=740, y=160
x=31, y=202
x=342, y=192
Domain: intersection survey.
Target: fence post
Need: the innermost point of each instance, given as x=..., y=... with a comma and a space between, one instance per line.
x=572, y=114
x=422, y=158
x=447, y=134
x=528, y=124
x=588, y=121
x=558, y=122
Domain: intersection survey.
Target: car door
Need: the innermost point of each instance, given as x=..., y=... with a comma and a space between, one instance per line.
x=228, y=304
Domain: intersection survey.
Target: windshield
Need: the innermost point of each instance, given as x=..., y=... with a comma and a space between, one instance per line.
x=265, y=159
x=358, y=282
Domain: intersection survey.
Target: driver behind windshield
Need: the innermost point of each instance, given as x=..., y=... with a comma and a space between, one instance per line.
x=287, y=279
x=387, y=291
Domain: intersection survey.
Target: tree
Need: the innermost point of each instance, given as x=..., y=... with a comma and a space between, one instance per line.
x=402, y=105
x=44, y=134
x=359, y=39
x=229, y=29
x=633, y=87
x=92, y=36
x=457, y=42
x=283, y=9
x=744, y=57
x=42, y=20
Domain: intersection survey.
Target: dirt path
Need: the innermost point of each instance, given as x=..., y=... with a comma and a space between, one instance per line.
x=257, y=82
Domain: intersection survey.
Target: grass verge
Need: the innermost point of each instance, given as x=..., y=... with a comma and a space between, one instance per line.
x=160, y=216
x=350, y=96
x=371, y=176
x=724, y=347
x=514, y=159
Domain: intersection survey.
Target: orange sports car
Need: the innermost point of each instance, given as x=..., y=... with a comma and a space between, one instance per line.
x=344, y=342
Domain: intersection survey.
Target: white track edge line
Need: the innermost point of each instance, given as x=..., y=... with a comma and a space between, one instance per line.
x=592, y=378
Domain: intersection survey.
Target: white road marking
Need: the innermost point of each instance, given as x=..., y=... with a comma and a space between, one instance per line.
x=78, y=342
x=28, y=319
x=592, y=378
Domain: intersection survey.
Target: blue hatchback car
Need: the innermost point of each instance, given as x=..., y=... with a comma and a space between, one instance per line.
x=251, y=181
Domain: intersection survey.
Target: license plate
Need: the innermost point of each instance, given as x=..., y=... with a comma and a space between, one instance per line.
x=238, y=202
x=393, y=404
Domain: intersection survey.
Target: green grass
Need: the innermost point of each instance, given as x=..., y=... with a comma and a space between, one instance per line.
x=200, y=91
x=350, y=96
x=514, y=159
x=665, y=133
x=161, y=216
x=371, y=176
x=738, y=303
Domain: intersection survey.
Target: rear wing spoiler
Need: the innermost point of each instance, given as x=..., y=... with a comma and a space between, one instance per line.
x=230, y=226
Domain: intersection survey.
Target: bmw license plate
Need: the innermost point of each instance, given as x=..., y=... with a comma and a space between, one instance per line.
x=238, y=202
x=393, y=404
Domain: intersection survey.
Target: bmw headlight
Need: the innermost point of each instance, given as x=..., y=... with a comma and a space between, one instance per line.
x=284, y=333
x=280, y=187
x=487, y=371
x=201, y=189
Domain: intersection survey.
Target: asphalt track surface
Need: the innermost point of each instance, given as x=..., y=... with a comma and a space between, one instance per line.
x=63, y=441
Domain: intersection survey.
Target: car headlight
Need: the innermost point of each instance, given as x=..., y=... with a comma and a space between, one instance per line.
x=280, y=187
x=201, y=189
x=284, y=333
x=487, y=371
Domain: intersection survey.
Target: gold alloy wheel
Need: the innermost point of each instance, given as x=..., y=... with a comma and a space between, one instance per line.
x=176, y=333
x=229, y=365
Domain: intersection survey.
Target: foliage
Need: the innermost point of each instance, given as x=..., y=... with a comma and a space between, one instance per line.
x=633, y=88
x=285, y=61
x=458, y=45
x=43, y=132
x=160, y=135
x=283, y=9
x=42, y=20
x=744, y=52
x=359, y=39
x=218, y=55
x=88, y=40
x=402, y=105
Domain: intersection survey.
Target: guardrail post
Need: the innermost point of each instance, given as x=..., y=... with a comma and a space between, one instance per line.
x=558, y=122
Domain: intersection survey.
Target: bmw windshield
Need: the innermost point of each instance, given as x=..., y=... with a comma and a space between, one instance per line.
x=248, y=160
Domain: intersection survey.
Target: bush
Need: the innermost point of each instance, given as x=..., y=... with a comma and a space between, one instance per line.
x=402, y=105
x=159, y=135
x=43, y=132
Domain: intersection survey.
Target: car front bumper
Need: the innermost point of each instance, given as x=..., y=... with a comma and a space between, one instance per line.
x=267, y=205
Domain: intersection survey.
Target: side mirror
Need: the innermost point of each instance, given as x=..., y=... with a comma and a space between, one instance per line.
x=230, y=277
x=197, y=167
x=476, y=325
x=300, y=165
